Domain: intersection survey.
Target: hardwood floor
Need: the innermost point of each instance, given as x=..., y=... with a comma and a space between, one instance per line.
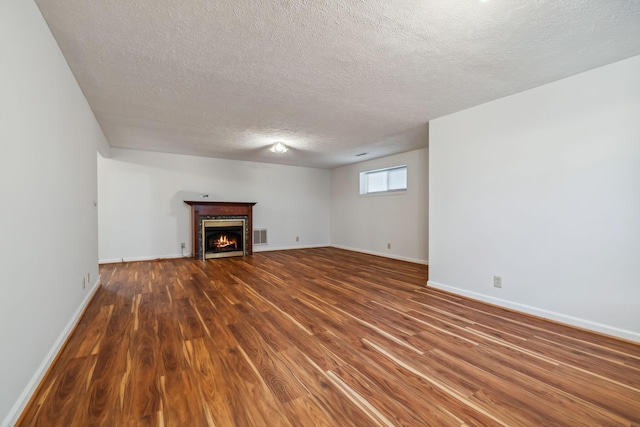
x=322, y=337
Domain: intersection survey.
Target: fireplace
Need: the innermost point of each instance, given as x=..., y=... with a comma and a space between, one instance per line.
x=221, y=229
x=223, y=237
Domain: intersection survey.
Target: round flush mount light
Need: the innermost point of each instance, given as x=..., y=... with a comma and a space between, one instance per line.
x=279, y=147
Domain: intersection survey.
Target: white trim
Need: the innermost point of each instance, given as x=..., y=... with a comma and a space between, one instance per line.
x=382, y=254
x=551, y=315
x=259, y=248
x=142, y=258
x=32, y=385
x=264, y=248
x=385, y=193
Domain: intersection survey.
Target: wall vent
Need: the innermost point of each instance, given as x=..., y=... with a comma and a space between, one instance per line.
x=260, y=236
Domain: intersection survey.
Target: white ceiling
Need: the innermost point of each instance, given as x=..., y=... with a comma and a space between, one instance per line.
x=330, y=78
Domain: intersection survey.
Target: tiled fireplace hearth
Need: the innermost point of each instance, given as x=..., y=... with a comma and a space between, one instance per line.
x=221, y=229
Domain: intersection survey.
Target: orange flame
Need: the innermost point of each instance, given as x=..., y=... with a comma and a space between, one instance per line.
x=225, y=241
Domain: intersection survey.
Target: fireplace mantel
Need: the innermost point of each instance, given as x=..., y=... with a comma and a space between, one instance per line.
x=200, y=209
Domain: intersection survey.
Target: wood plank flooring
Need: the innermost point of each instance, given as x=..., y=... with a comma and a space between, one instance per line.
x=322, y=337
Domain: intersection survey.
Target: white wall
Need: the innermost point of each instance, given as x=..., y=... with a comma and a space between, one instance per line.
x=143, y=215
x=543, y=188
x=368, y=223
x=48, y=223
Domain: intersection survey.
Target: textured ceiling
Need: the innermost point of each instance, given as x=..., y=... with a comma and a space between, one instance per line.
x=330, y=78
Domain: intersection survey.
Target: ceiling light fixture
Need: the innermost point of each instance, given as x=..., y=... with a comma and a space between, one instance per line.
x=279, y=147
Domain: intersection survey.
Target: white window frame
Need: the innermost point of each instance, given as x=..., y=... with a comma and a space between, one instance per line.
x=364, y=182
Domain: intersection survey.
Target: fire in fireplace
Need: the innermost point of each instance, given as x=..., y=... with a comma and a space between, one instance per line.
x=223, y=237
x=222, y=241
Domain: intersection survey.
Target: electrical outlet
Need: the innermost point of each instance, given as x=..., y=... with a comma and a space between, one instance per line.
x=388, y=245
x=497, y=281
x=297, y=239
x=182, y=245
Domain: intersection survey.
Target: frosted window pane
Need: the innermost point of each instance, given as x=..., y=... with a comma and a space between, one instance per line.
x=377, y=181
x=398, y=179
x=384, y=180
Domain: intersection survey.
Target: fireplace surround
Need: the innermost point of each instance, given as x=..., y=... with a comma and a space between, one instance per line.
x=221, y=229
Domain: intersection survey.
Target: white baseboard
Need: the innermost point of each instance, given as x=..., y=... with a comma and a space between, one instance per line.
x=383, y=254
x=540, y=312
x=142, y=258
x=27, y=393
x=267, y=248
x=260, y=248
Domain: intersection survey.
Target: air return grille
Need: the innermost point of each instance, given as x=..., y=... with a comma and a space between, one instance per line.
x=260, y=236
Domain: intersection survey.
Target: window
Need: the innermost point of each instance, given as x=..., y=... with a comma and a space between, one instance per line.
x=384, y=180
